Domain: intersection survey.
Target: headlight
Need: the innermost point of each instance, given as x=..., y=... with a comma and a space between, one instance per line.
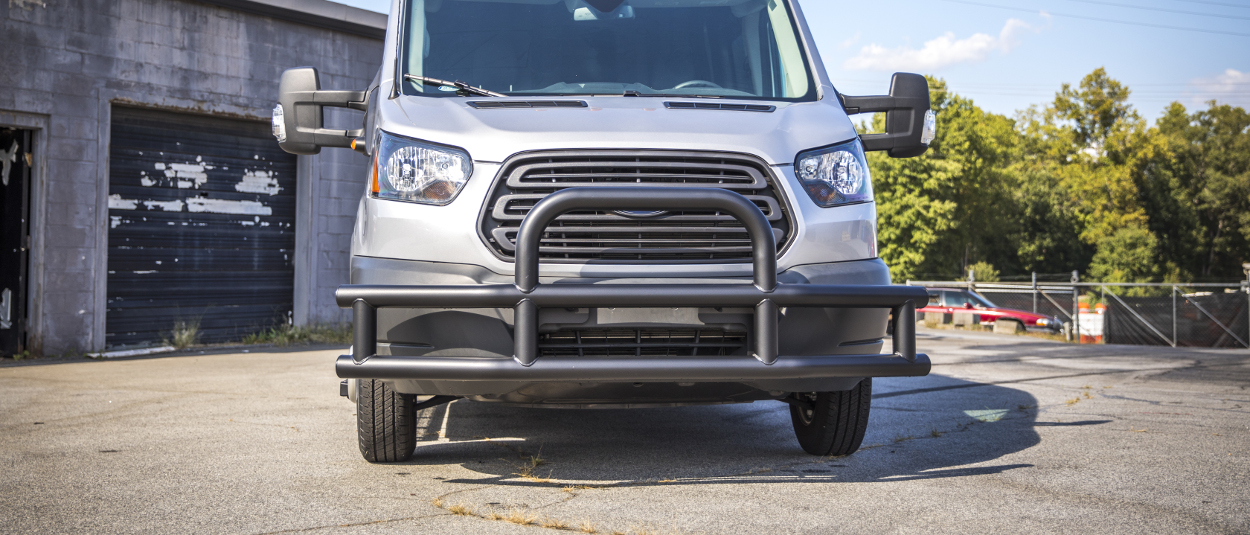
x=1043, y=322
x=409, y=170
x=930, y=128
x=279, y=124
x=835, y=175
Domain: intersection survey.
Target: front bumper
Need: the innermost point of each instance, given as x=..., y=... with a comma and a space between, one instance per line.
x=526, y=297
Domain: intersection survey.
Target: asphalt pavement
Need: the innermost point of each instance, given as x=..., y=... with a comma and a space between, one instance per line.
x=1008, y=434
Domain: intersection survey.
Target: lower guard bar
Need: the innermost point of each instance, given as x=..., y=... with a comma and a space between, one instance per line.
x=766, y=296
x=651, y=370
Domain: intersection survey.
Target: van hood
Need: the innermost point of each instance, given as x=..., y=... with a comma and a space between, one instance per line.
x=492, y=135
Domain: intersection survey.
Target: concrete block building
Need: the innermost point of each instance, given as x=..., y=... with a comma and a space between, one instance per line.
x=141, y=187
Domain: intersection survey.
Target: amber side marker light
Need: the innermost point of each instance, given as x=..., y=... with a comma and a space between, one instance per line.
x=374, y=183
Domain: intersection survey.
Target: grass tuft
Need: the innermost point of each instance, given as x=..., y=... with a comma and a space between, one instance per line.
x=1073, y=401
x=903, y=438
x=494, y=515
x=554, y=523
x=520, y=518
x=935, y=433
x=288, y=335
x=528, y=466
x=185, y=334
x=461, y=509
x=587, y=527
x=438, y=502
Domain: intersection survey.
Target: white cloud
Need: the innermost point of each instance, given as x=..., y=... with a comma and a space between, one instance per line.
x=849, y=42
x=938, y=53
x=1229, y=87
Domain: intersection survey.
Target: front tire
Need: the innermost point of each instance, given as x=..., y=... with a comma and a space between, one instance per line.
x=836, y=423
x=385, y=421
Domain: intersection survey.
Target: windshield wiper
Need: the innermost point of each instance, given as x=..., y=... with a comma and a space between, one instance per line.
x=461, y=86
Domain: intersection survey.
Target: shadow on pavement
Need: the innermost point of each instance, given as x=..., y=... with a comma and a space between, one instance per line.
x=913, y=434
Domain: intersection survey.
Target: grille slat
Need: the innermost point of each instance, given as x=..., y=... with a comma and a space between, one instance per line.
x=558, y=242
x=516, y=205
x=615, y=236
x=642, y=342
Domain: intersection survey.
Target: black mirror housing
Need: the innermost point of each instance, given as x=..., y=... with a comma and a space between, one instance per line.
x=298, y=120
x=909, y=122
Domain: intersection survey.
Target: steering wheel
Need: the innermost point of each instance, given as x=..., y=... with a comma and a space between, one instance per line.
x=697, y=83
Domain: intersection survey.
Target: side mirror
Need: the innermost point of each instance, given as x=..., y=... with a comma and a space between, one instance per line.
x=298, y=118
x=909, y=123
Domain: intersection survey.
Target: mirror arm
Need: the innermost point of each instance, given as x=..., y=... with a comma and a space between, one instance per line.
x=327, y=137
x=879, y=103
x=335, y=99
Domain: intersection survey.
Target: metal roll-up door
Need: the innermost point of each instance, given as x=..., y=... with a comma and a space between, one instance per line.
x=201, y=228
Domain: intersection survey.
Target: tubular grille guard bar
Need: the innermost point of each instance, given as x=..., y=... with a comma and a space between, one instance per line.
x=526, y=296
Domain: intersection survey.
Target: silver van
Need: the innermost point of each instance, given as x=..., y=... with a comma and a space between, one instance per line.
x=614, y=203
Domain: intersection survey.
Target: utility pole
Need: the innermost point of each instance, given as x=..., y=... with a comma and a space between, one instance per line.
x=972, y=279
x=1035, y=292
x=1076, y=306
x=1246, y=286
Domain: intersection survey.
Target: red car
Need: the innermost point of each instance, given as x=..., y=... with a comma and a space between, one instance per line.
x=950, y=300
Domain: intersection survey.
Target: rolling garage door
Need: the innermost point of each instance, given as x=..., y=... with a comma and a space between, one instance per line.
x=201, y=228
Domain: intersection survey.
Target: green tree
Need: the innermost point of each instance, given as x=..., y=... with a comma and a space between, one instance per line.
x=1126, y=256
x=1079, y=183
x=1088, y=144
x=1197, y=190
x=984, y=272
x=943, y=210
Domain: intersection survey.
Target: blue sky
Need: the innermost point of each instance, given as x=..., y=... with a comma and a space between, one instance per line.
x=1006, y=55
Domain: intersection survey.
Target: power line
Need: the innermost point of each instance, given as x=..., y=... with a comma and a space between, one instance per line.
x=1098, y=19
x=1047, y=85
x=1225, y=4
x=1161, y=9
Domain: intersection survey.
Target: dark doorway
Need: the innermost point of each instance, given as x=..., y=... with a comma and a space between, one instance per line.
x=201, y=231
x=16, y=159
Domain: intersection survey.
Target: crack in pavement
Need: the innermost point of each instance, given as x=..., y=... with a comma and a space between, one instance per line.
x=353, y=525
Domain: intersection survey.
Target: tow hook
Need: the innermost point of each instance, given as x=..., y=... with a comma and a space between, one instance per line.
x=347, y=389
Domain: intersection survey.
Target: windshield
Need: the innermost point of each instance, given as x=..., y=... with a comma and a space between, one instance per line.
x=737, y=49
x=958, y=299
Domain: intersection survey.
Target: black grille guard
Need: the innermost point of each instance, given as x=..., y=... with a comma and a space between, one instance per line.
x=526, y=296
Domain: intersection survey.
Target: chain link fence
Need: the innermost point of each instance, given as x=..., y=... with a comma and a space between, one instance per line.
x=1177, y=315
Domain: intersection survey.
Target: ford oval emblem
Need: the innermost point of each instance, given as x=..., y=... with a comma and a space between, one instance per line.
x=640, y=214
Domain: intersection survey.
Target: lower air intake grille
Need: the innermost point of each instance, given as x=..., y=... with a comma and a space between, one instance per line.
x=632, y=237
x=641, y=342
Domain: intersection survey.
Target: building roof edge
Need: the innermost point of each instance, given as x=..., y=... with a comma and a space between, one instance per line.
x=319, y=13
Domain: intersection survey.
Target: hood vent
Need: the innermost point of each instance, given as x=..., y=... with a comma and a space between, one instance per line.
x=505, y=104
x=714, y=106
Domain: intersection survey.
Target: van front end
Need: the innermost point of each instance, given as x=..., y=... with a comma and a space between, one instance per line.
x=553, y=363
x=614, y=203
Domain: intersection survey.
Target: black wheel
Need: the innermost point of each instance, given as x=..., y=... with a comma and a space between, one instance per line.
x=836, y=422
x=385, y=421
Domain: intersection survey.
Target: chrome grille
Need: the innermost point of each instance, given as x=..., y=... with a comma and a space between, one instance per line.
x=642, y=343
x=632, y=237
